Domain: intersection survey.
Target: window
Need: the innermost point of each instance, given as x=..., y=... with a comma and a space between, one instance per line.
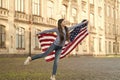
x=100, y=2
x=116, y=13
x=106, y=47
x=109, y=47
x=4, y=4
x=19, y=5
x=2, y=36
x=64, y=11
x=37, y=44
x=50, y=9
x=20, y=38
x=100, y=11
x=114, y=47
x=36, y=7
x=83, y=13
x=108, y=10
x=84, y=6
x=118, y=30
x=118, y=47
x=92, y=19
x=100, y=44
x=74, y=14
x=93, y=44
x=112, y=12
x=100, y=17
x=91, y=1
x=114, y=29
x=100, y=20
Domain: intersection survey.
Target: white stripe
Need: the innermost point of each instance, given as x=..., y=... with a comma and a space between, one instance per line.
x=44, y=47
x=48, y=42
x=48, y=37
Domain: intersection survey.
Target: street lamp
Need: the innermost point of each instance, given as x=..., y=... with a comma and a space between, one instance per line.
x=30, y=20
x=115, y=27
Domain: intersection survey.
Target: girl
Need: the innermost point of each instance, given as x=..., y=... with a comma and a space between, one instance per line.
x=62, y=35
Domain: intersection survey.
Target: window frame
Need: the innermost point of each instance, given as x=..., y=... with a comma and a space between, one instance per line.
x=20, y=38
x=37, y=45
x=20, y=6
x=36, y=5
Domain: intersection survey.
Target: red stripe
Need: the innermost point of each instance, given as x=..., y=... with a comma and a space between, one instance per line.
x=46, y=40
x=53, y=35
x=47, y=44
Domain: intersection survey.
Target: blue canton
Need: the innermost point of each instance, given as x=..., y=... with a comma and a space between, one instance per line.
x=75, y=32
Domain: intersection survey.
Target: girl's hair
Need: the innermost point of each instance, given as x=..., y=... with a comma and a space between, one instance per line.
x=60, y=29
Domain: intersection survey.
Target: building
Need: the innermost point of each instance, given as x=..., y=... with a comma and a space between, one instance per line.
x=112, y=26
x=21, y=20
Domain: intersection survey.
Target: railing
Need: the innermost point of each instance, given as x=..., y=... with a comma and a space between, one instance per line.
x=4, y=12
x=21, y=16
x=37, y=19
x=70, y=23
x=51, y=21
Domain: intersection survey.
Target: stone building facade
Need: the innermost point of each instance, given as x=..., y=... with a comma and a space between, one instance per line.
x=20, y=20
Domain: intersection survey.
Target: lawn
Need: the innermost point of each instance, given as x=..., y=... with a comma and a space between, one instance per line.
x=75, y=68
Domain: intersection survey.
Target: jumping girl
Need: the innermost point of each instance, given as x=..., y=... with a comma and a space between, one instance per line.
x=62, y=35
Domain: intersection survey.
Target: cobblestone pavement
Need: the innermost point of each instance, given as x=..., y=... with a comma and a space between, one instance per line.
x=73, y=68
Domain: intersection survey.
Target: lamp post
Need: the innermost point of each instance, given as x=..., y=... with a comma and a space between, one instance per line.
x=115, y=27
x=30, y=20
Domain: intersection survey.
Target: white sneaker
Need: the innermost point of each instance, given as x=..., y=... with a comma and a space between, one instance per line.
x=27, y=61
x=52, y=78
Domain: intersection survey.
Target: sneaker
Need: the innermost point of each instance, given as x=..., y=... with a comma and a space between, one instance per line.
x=27, y=61
x=52, y=78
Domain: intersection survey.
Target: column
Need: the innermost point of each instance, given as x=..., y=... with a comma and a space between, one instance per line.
x=11, y=29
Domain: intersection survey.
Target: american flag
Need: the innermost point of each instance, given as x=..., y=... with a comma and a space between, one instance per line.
x=76, y=36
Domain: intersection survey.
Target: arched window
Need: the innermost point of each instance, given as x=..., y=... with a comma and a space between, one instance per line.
x=2, y=36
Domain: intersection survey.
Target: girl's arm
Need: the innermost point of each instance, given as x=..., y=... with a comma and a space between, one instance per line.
x=70, y=28
x=47, y=31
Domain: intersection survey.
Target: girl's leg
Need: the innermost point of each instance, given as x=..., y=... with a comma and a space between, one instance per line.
x=56, y=60
x=29, y=59
x=50, y=49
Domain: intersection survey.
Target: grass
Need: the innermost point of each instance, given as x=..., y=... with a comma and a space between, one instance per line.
x=13, y=69
x=80, y=68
